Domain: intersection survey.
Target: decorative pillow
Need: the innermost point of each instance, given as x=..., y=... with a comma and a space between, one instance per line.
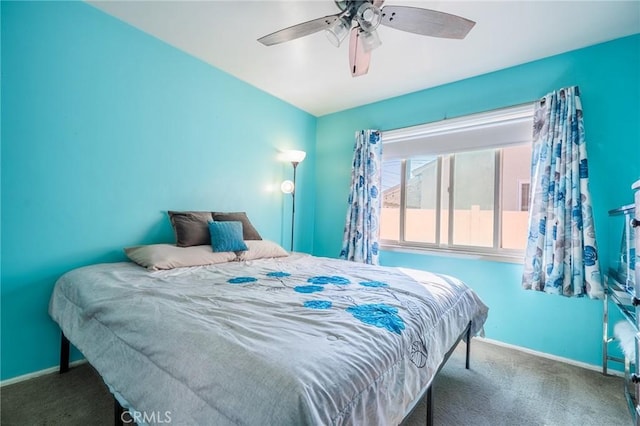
x=262, y=249
x=248, y=231
x=167, y=256
x=191, y=228
x=226, y=236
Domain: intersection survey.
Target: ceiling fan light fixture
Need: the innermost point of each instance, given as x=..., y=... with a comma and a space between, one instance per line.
x=368, y=16
x=370, y=40
x=361, y=18
x=337, y=32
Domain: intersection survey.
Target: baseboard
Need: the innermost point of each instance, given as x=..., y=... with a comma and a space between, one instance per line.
x=38, y=373
x=569, y=361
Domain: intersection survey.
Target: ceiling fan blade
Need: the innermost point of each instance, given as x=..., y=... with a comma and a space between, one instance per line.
x=378, y=3
x=426, y=22
x=299, y=30
x=358, y=57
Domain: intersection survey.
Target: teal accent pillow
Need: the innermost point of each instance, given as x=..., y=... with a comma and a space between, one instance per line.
x=226, y=236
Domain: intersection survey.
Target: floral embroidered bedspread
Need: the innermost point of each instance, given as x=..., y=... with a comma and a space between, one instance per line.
x=288, y=341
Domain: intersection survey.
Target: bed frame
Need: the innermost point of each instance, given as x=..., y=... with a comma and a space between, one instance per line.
x=119, y=411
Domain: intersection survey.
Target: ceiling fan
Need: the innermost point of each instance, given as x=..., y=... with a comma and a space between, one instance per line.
x=362, y=17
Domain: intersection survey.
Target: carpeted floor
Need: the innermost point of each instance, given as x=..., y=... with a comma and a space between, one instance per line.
x=503, y=387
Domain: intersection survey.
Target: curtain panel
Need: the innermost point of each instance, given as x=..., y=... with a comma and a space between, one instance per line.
x=362, y=231
x=561, y=255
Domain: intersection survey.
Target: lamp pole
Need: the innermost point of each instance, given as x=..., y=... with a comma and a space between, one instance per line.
x=294, y=157
x=293, y=200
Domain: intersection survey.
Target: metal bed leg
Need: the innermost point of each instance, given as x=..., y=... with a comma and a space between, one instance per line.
x=466, y=364
x=428, y=394
x=64, y=353
x=118, y=413
x=430, y=406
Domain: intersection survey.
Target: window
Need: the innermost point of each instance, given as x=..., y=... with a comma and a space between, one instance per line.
x=459, y=185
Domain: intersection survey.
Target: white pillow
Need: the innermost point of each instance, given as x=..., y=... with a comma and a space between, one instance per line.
x=167, y=256
x=261, y=249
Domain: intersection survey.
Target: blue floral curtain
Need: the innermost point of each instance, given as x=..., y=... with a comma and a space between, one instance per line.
x=361, y=231
x=561, y=255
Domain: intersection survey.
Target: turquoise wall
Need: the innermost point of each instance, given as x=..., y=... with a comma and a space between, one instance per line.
x=608, y=76
x=104, y=128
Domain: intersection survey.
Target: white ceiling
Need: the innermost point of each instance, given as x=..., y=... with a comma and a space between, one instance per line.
x=313, y=75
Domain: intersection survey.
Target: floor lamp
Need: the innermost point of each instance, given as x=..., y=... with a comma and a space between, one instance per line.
x=289, y=187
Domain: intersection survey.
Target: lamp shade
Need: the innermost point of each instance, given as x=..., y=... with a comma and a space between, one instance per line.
x=338, y=31
x=294, y=156
x=368, y=16
x=370, y=40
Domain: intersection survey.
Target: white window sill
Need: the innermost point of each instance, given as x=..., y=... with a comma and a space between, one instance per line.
x=508, y=257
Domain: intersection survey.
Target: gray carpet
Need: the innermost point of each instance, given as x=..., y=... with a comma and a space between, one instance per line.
x=503, y=387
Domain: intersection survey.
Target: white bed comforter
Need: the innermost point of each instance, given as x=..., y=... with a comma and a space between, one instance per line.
x=298, y=340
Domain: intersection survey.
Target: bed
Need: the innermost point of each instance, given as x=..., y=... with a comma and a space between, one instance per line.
x=287, y=340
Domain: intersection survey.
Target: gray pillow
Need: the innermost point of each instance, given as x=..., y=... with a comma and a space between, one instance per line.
x=191, y=228
x=248, y=231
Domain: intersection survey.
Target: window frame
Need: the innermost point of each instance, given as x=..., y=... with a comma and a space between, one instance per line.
x=521, y=183
x=517, y=114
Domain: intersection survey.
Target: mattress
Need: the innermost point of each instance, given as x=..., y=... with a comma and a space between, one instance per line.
x=287, y=341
